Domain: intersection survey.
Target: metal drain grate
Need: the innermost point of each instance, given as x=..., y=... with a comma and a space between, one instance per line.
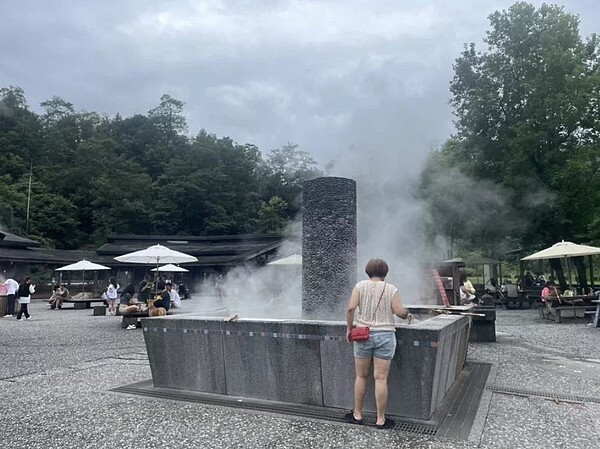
x=418, y=429
x=334, y=415
x=543, y=394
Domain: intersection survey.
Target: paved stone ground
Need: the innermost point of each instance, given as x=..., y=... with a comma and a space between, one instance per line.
x=56, y=371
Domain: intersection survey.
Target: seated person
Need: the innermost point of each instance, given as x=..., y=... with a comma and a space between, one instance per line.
x=161, y=305
x=467, y=291
x=55, y=296
x=128, y=305
x=549, y=293
x=491, y=286
x=60, y=294
x=175, y=299
x=528, y=279
x=183, y=291
x=129, y=289
x=64, y=294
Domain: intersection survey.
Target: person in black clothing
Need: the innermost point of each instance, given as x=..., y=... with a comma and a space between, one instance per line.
x=146, y=289
x=160, y=306
x=24, y=297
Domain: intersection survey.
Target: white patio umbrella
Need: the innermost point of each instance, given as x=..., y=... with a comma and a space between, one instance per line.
x=83, y=266
x=155, y=255
x=170, y=268
x=564, y=250
x=294, y=259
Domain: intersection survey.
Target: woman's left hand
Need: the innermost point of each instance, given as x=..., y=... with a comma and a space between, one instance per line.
x=348, y=332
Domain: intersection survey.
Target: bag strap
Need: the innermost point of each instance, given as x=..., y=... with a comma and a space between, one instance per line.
x=378, y=302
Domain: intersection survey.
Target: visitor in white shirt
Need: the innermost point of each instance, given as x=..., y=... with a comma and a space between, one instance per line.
x=11, y=290
x=175, y=299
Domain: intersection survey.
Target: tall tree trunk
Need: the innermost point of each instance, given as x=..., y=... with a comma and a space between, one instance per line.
x=581, y=274
x=557, y=267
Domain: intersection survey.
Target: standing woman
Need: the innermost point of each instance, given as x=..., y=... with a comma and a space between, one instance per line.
x=111, y=296
x=24, y=297
x=377, y=303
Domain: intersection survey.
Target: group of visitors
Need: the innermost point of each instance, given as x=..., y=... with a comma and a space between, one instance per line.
x=21, y=294
x=154, y=301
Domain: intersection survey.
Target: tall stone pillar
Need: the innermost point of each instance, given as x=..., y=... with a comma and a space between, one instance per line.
x=328, y=246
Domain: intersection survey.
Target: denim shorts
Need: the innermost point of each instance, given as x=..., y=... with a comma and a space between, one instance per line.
x=381, y=344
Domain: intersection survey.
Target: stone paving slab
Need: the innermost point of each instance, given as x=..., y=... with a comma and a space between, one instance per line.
x=58, y=368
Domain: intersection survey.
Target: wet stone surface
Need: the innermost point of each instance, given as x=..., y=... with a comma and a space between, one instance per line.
x=58, y=369
x=328, y=244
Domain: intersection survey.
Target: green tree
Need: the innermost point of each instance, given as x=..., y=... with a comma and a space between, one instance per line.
x=95, y=175
x=272, y=216
x=528, y=118
x=283, y=173
x=168, y=117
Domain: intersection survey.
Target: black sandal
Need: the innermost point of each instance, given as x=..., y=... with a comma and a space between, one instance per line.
x=349, y=417
x=388, y=424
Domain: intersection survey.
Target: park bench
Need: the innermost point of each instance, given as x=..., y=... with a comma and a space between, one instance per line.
x=136, y=319
x=80, y=303
x=556, y=311
x=133, y=318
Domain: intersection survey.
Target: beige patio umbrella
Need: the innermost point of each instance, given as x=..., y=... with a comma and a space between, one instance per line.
x=565, y=250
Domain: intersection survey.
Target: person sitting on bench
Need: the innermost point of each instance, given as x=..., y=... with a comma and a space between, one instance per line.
x=55, y=297
x=161, y=305
x=60, y=294
x=129, y=306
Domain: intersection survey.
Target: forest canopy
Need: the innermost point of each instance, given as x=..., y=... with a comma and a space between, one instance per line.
x=94, y=175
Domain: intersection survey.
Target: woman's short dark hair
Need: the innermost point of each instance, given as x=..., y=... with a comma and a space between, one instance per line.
x=377, y=268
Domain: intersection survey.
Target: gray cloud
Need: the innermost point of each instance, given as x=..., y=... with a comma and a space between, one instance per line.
x=325, y=74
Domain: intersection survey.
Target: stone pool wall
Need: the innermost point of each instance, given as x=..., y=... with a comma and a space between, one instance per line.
x=302, y=362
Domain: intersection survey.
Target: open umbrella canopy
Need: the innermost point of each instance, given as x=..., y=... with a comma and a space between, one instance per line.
x=170, y=268
x=83, y=265
x=294, y=259
x=155, y=255
x=563, y=249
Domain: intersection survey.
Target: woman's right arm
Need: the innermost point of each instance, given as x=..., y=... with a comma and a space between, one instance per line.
x=398, y=308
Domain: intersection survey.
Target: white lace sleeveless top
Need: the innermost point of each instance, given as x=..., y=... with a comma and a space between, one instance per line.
x=369, y=293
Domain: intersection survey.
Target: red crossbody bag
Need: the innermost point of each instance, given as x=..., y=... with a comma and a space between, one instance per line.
x=363, y=333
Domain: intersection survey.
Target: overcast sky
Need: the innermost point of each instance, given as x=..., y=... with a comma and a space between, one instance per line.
x=331, y=76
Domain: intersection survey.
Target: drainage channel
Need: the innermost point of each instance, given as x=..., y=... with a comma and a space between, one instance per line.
x=320, y=413
x=542, y=394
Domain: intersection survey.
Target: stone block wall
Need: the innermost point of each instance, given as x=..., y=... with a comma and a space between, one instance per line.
x=303, y=362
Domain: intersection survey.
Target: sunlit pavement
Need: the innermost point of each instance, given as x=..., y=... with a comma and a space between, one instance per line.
x=58, y=368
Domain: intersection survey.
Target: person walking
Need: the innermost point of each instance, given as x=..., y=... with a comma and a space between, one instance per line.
x=11, y=291
x=111, y=296
x=24, y=297
x=377, y=303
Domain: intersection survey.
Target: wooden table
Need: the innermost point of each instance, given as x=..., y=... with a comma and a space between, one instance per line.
x=552, y=308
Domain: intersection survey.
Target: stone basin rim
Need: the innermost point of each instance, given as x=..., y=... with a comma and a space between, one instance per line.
x=432, y=322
